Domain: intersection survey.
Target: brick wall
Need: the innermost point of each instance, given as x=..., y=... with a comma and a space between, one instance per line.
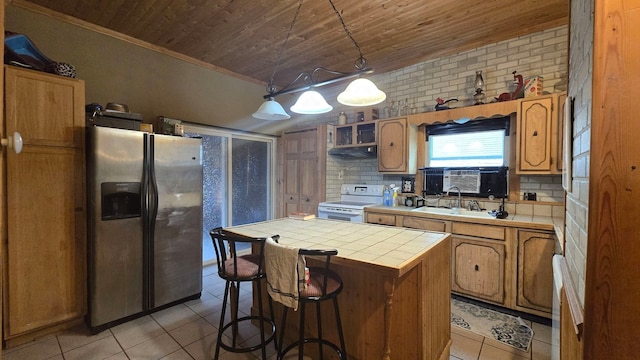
x=543, y=53
x=581, y=73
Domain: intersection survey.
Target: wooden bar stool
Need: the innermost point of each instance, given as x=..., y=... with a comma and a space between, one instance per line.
x=322, y=285
x=235, y=269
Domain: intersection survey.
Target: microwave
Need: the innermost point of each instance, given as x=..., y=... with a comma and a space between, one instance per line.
x=472, y=181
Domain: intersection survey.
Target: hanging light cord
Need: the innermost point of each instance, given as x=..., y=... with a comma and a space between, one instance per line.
x=309, y=77
x=270, y=88
x=361, y=62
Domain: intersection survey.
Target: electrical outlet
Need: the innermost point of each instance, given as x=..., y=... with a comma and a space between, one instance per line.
x=340, y=174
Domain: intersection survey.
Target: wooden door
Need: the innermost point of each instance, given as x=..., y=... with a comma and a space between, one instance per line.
x=303, y=171
x=535, y=273
x=534, y=136
x=478, y=268
x=392, y=147
x=291, y=173
x=309, y=173
x=46, y=201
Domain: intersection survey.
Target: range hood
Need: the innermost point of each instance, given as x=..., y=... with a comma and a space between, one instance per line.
x=355, y=152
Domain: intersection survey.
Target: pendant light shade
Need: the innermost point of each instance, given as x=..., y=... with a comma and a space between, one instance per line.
x=311, y=102
x=271, y=110
x=361, y=92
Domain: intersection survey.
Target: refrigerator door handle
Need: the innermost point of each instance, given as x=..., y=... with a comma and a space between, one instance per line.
x=145, y=181
x=153, y=184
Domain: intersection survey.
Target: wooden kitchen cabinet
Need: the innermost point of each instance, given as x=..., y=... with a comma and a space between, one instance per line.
x=358, y=134
x=535, y=274
x=416, y=222
x=380, y=219
x=478, y=266
x=559, y=125
x=492, y=262
x=45, y=254
x=397, y=147
x=539, y=140
x=479, y=261
x=303, y=155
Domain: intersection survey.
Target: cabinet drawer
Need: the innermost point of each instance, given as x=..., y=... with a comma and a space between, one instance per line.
x=424, y=224
x=383, y=219
x=485, y=231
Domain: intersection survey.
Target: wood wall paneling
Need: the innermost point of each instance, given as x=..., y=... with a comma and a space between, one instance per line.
x=612, y=288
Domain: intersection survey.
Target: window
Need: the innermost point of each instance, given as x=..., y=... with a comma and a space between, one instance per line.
x=477, y=143
x=237, y=179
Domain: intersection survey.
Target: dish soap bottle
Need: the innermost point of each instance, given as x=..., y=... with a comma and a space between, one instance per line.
x=386, y=196
x=394, y=196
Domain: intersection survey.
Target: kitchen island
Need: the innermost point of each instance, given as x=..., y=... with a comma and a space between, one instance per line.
x=396, y=298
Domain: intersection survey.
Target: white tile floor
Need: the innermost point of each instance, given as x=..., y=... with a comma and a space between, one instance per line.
x=471, y=346
x=188, y=332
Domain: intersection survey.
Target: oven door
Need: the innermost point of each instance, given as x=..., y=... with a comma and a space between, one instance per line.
x=338, y=213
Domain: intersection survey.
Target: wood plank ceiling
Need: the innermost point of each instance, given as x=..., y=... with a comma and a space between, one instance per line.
x=245, y=36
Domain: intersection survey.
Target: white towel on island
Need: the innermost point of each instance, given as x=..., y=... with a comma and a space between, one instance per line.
x=285, y=269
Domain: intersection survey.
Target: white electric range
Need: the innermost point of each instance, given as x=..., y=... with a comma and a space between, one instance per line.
x=353, y=199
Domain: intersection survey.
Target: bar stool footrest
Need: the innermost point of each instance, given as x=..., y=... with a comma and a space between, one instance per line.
x=296, y=344
x=236, y=349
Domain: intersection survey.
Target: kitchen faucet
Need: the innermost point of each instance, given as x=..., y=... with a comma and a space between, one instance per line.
x=473, y=205
x=459, y=196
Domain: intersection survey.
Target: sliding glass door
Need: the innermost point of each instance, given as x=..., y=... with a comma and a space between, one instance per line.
x=237, y=179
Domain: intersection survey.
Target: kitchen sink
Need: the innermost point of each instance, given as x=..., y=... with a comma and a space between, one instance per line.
x=456, y=212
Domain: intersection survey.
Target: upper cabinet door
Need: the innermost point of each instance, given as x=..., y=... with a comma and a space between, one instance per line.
x=53, y=106
x=396, y=147
x=534, y=136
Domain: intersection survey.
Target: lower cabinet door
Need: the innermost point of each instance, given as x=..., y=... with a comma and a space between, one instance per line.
x=478, y=268
x=535, y=273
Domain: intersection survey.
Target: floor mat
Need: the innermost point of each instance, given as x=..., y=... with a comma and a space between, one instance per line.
x=505, y=328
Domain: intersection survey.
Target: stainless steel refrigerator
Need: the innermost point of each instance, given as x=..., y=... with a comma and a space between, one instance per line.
x=145, y=223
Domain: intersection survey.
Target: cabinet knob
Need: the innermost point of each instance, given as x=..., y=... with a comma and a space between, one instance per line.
x=291, y=198
x=535, y=133
x=14, y=142
x=391, y=144
x=477, y=268
x=307, y=200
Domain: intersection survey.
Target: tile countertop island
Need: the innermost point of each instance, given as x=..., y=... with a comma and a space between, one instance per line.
x=396, y=298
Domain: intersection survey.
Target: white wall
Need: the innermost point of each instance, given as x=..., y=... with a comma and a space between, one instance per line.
x=149, y=82
x=582, y=25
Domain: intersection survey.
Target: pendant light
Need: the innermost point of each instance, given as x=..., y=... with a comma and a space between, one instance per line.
x=271, y=110
x=361, y=92
x=311, y=102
